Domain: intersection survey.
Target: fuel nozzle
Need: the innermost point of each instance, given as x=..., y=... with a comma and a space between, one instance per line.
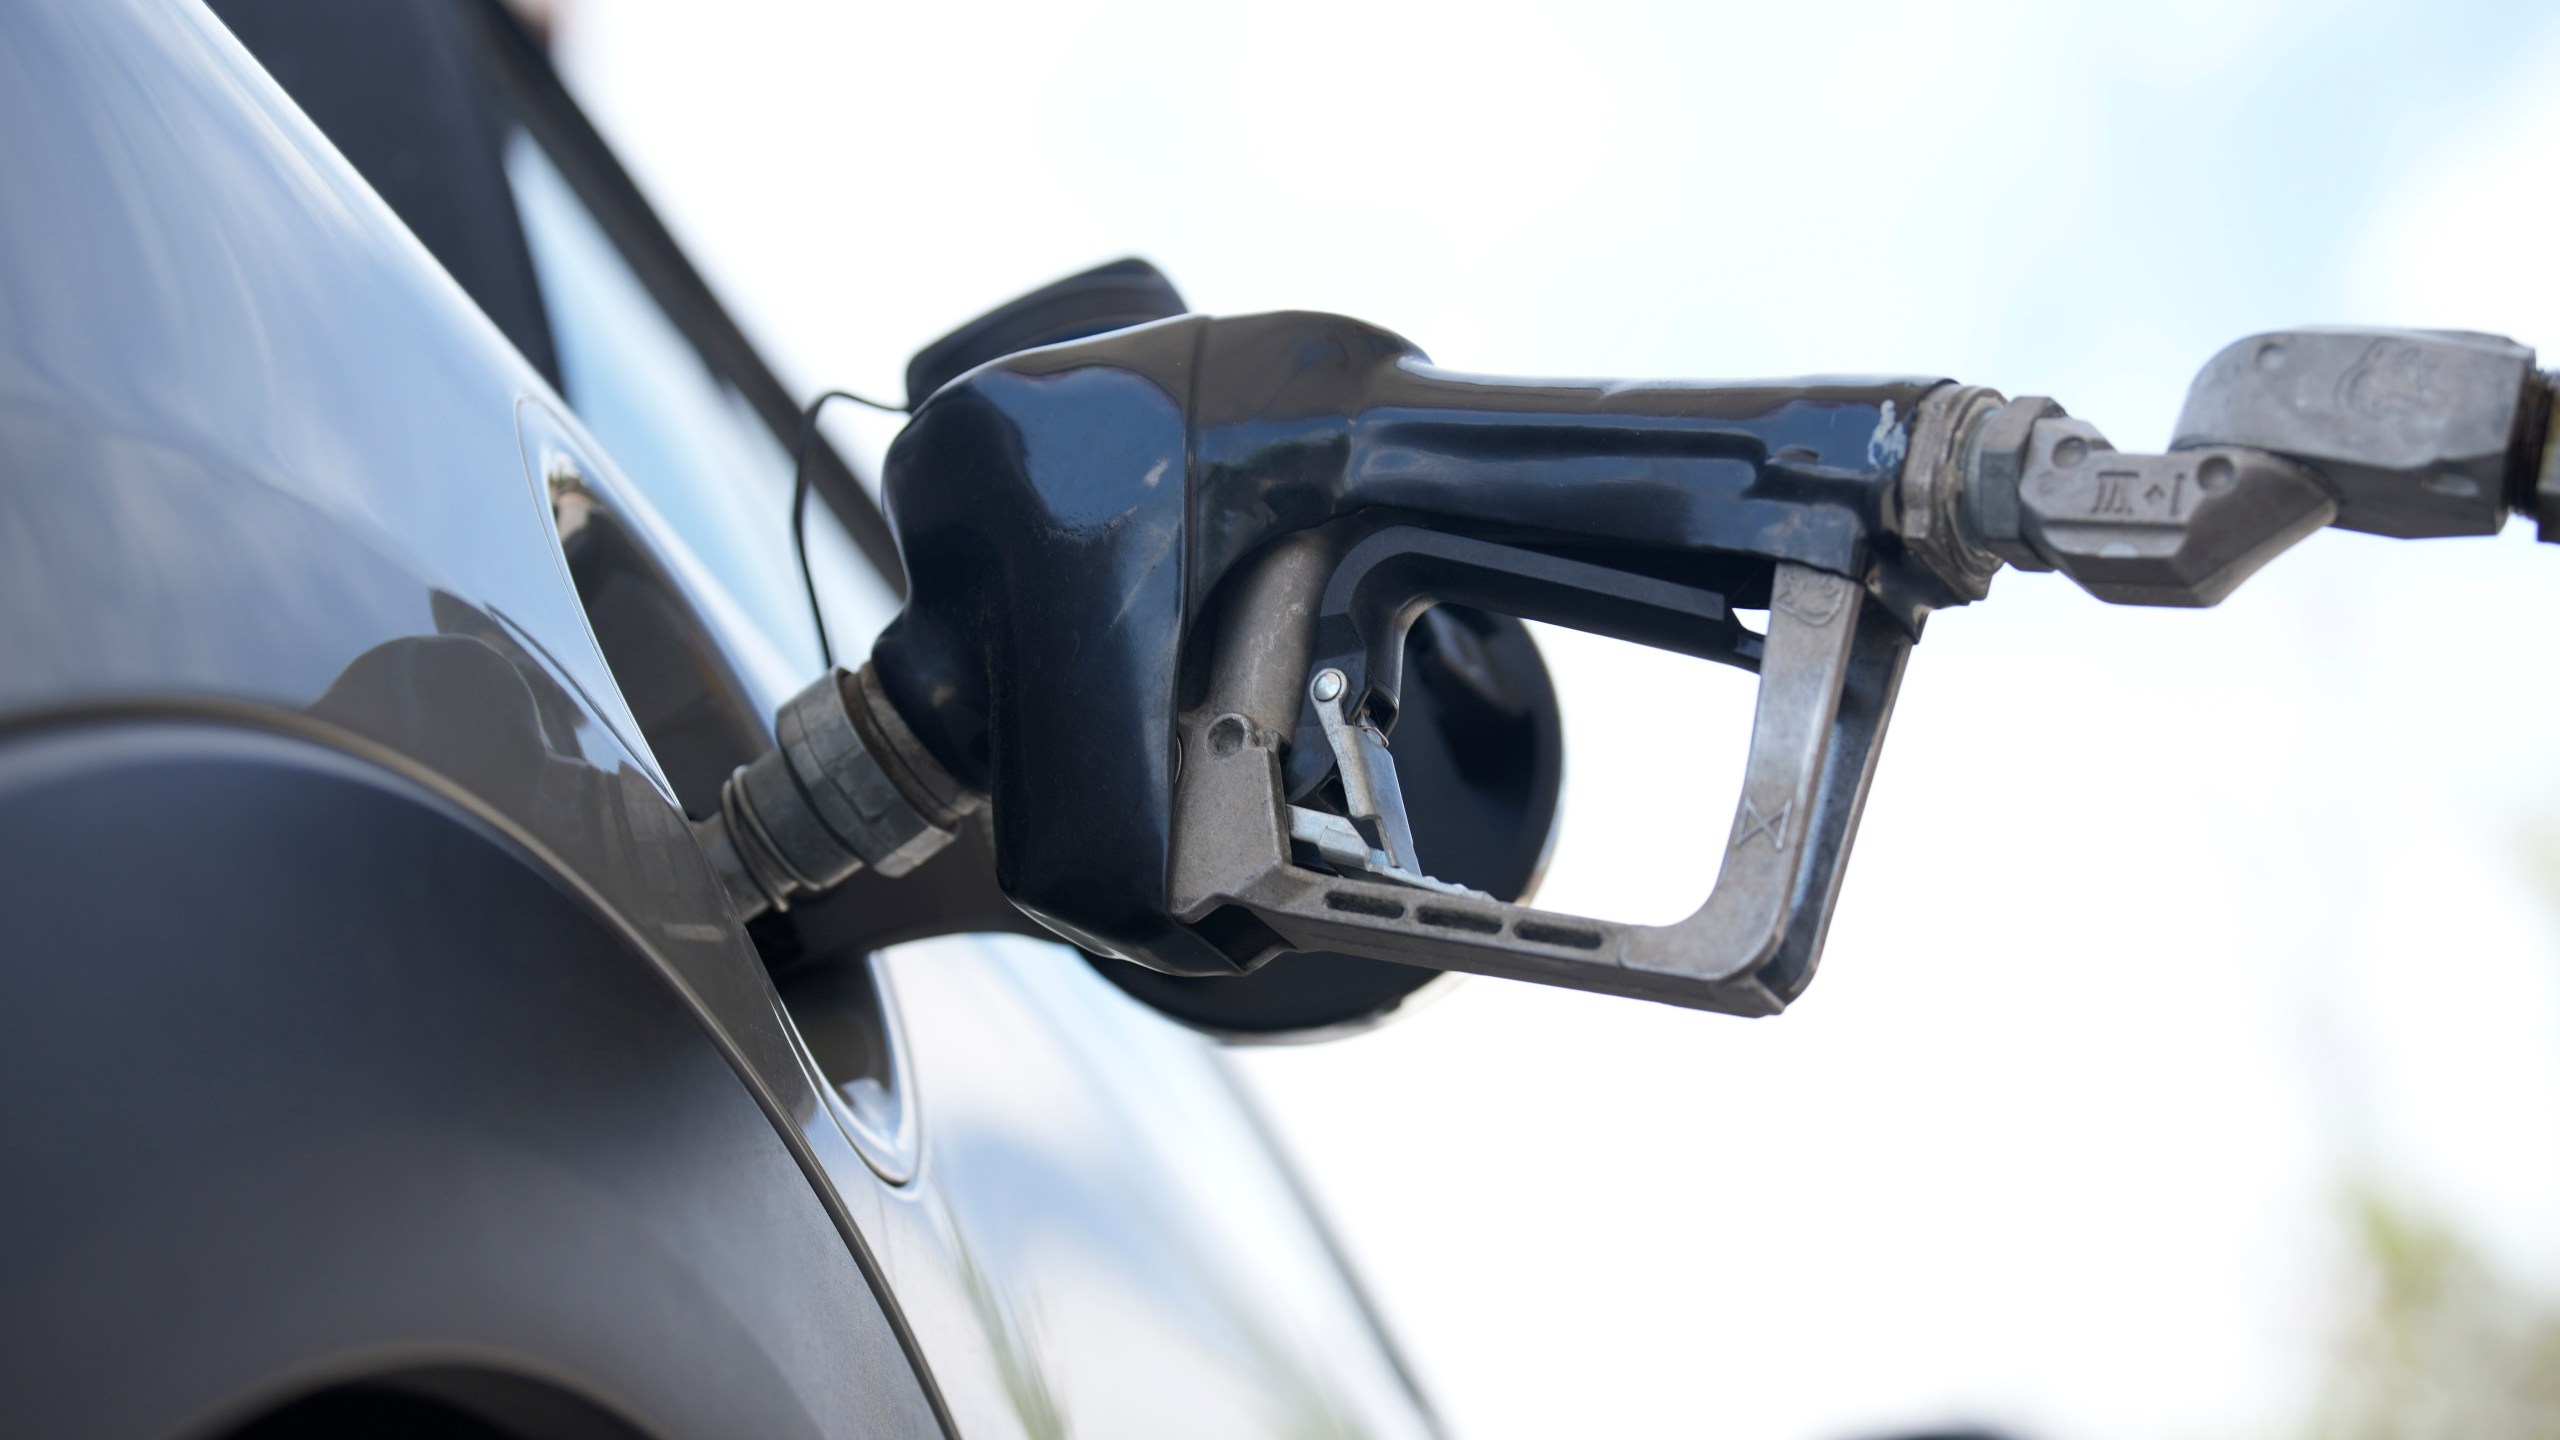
x=1162, y=580
x=846, y=785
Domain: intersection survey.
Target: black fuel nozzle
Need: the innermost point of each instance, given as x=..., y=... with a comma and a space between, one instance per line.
x=1161, y=583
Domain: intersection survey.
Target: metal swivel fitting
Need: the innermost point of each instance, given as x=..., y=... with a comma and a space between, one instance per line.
x=2398, y=432
x=846, y=785
x=2047, y=492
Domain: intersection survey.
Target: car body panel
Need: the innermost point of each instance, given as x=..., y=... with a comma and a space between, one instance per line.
x=265, y=468
x=367, y=1088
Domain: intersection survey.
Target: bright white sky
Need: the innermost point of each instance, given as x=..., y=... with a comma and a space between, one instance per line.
x=2164, y=926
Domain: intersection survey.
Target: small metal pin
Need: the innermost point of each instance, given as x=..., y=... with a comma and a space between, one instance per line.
x=1328, y=686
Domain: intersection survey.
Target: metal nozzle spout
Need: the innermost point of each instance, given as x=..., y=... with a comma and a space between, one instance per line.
x=846, y=785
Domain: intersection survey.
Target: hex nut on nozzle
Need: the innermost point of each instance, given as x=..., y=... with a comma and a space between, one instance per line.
x=1935, y=476
x=1995, y=465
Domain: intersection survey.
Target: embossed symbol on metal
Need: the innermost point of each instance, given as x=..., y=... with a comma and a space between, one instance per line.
x=1809, y=595
x=1754, y=822
x=2393, y=380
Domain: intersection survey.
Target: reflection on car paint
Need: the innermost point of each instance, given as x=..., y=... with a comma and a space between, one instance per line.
x=265, y=465
x=1139, y=1255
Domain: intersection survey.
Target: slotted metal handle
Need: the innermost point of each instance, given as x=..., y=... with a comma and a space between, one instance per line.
x=1830, y=665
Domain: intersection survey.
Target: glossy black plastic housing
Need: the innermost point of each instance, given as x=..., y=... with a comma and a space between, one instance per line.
x=1066, y=514
x=1092, y=302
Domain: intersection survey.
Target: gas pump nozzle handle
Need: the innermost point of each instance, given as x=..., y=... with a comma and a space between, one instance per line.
x=1161, y=582
x=1132, y=557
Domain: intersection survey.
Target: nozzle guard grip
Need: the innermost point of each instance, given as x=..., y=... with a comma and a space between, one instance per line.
x=1830, y=666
